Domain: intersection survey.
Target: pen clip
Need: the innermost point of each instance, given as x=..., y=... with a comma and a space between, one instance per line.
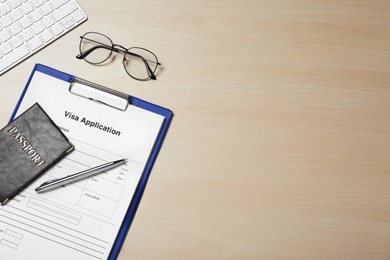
x=100, y=94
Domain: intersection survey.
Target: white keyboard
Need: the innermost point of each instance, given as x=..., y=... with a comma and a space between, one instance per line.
x=26, y=26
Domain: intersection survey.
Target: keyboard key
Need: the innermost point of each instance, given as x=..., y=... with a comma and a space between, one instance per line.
x=5, y=36
x=5, y=9
x=57, y=29
x=16, y=56
x=67, y=22
x=67, y=9
x=47, y=35
x=46, y=9
x=6, y=48
x=15, y=29
x=35, y=43
x=37, y=3
x=27, y=8
x=14, y=3
x=16, y=15
x=37, y=28
x=78, y=16
x=25, y=22
x=16, y=41
x=6, y=21
x=27, y=35
x=36, y=16
x=48, y=21
x=58, y=3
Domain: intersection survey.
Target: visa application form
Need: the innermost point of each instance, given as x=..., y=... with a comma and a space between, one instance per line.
x=81, y=220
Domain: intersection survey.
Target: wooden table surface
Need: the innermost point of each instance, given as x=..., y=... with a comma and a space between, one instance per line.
x=279, y=147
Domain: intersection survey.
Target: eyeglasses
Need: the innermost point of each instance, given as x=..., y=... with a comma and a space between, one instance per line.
x=140, y=63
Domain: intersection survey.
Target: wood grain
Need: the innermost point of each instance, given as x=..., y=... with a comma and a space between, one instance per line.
x=279, y=147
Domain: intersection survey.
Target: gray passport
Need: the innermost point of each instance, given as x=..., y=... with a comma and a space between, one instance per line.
x=29, y=145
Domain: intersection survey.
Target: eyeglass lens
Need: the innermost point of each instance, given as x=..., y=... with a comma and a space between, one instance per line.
x=137, y=62
x=97, y=47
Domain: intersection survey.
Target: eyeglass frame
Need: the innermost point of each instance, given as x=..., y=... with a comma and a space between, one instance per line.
x=118, y=49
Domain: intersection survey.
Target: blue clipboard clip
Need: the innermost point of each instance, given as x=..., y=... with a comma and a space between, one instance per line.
x=99, y=94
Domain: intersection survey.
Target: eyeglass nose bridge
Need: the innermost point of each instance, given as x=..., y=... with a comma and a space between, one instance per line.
x=119, y=48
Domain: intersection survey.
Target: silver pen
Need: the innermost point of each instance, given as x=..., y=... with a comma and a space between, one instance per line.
x=52, y=184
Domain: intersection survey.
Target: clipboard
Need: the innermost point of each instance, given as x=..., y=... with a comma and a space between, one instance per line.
x=77, y=86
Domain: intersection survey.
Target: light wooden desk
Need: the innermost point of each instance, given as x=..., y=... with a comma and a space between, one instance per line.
x=280, y=144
